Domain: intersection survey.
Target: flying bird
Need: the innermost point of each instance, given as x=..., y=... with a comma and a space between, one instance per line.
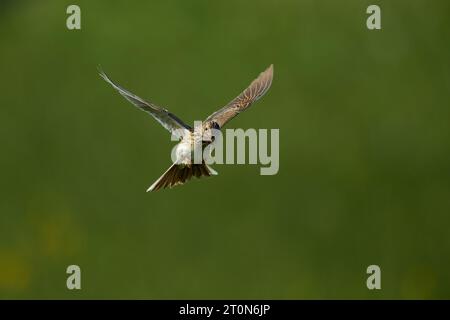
x=183, y=169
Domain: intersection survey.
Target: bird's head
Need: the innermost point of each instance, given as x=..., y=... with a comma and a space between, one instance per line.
x=210, y=131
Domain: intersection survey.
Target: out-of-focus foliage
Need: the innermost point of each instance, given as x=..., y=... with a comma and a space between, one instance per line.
x=364, y=158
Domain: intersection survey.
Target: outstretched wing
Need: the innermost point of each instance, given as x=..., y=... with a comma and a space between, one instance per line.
x=164, y=117
x=256, y=90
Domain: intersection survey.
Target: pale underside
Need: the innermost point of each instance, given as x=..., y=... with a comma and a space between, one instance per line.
x=183, y=168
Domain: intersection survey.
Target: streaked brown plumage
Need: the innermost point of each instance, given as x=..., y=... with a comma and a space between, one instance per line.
x=183, y=169
x=255, y=90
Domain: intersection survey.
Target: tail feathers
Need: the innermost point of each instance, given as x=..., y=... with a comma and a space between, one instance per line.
x=180, y=173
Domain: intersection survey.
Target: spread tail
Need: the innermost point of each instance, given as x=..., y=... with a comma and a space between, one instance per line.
x=180, y=173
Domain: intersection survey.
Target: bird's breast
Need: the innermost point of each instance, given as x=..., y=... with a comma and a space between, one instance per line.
x=183, y=152
x=185, y=149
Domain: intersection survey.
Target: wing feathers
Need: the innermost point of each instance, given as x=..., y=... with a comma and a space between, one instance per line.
x=164, y=117
x=256, y=90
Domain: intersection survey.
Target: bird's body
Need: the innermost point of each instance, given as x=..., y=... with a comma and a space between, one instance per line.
x=184, y=150
x=190, y=140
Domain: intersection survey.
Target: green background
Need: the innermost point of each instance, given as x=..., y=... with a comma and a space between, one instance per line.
x=364, y=150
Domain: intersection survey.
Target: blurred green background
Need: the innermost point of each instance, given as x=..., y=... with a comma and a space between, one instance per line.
x=364, y=157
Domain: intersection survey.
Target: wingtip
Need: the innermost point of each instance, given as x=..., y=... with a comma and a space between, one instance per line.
x=268, y=72
x=103, y=74
x=100, y=70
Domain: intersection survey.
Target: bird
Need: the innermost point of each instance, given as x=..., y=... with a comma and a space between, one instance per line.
x=184, y=168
